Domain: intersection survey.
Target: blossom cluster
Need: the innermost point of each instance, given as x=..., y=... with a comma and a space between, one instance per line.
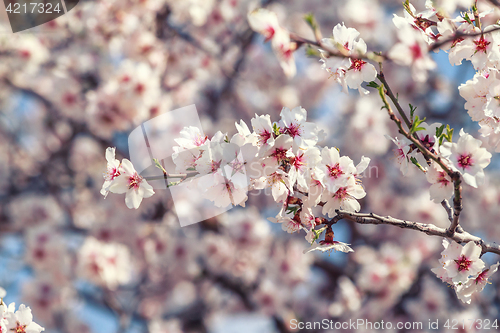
x=465, y=156
x=462, y=268
x=351, y=71
x=282, y=157
x=121, y=177
x=12, y=320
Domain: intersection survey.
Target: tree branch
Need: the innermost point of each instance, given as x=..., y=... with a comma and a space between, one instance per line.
x=454, y=175
x=429, y=229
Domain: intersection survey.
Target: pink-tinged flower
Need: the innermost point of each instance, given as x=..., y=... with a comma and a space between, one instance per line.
x=113, y=170
x=428, y=136
x=301, y=161
x=344, y=198
x=225, y=188
x=335, y=169
x=293, y=122
x=358, y=72
x=477, y=283
x=480, y=50
x=131, y=183
x=442, y=185
x=462, y=262
x=490, y=128
x=492, y=106
x=107, y=264
x=284, y=48
x=21, y=321
x=421, y=21
x=191, y=137
x=328, y=244
x=468, y=157
x=290, y=225
x=401, y=153
x=244, y=135
x=279, y=183
x=316, y=188
x=412, y=50
x=264, y=22
x=264, y=129
x=351, y=72
x=211, y=159
x=279, y=152
x=475, y=93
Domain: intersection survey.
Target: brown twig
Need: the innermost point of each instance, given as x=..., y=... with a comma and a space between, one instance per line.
x=454, y=175
x=429, y=229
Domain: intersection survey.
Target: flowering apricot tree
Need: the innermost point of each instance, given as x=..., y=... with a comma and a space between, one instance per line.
x=383, y=130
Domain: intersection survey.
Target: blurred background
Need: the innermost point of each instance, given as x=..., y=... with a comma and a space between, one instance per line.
x=80, y=83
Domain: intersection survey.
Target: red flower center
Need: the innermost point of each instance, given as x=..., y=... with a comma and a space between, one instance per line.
x=481, y=44
x=482, y=276
x=357, y=64
x=134, y=181
x=293, y=130
x=264, y=136
x=335, y=171
x=279, y=154
x=341, y=193
x=463, y=263
x=465, y=161
x=416, y=51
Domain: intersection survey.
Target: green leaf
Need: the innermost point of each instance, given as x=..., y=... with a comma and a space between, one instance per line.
x=311, y=20
x=317, y=233
x=415, y=125
x=276, y=129
x=373, y=84
x=414, y=161
x=158, y=165
x=467, y=18
x=312, y=52
x=412, y=111
x=406, y=6
x=448, y=136
x=439, y=131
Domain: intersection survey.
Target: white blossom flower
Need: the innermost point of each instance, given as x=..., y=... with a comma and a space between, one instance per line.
x=412, y=50
x=475, y=93
x=401, y=153
x=351, y=72
x=131, y=183
x=107, y=264
x=225, y=188
x=284, y=48
x=264, y=22
x=476, y=284
x=112, y=170
x=344, y=198
x=442, y=185
x=21, y=321
x=480, y=50
x=301, y=161
x=335, y=169
x=264, y=129
x=293, y=122
x=278, y=152
x=462, y=262
x=468, y=157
